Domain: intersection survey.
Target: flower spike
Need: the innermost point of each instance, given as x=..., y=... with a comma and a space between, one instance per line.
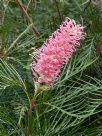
x=56, y=51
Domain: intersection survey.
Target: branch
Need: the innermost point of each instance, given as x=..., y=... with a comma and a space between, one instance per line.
x=58, y=10
x=22, y=8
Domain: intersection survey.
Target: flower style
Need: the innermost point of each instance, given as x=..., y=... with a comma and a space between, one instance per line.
x=56, y=51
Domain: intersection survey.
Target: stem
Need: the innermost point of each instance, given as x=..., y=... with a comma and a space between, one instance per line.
x=59, y=13
x=32, y=105
x=28, y=5
x=89, y=2
x=22, y=8
x=5, y=9
x=15, y=41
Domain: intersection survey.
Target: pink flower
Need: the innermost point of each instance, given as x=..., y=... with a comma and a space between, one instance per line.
x=56, y=51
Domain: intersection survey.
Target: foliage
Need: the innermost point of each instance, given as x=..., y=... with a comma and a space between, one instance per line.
x=73, y=106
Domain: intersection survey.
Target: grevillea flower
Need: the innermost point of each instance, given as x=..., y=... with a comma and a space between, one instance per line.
x=56, y=51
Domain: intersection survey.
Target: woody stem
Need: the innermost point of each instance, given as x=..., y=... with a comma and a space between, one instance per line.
x=22, y=8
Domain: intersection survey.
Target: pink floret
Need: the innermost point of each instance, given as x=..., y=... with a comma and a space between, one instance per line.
x=56, y=51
